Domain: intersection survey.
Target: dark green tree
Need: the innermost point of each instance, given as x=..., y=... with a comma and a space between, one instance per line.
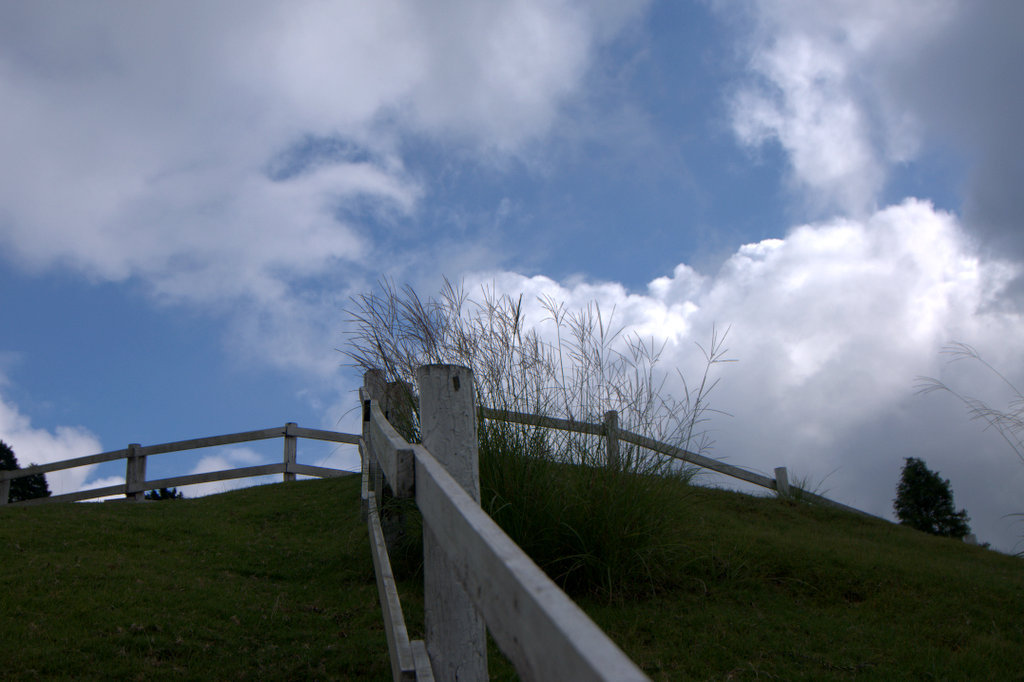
x=26, y=488
x=925, y=501
x=164, y=494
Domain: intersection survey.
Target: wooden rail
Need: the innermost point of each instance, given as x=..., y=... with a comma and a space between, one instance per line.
x=476, y=576
x=485, y=578
x=539, y=628
x=609, y=429
x=136, y=484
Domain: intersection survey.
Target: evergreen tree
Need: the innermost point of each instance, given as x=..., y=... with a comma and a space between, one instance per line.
x=925, y=501
x=26, y=488
x=164, y=494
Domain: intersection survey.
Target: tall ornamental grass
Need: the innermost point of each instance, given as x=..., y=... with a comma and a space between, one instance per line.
x=592, y=527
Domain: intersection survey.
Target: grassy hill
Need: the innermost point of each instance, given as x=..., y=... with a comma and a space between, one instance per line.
x=276, y=582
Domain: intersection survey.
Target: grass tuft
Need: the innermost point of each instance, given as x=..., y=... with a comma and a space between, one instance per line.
x=593, y=529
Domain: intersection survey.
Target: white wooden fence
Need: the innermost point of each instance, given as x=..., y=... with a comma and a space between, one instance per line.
x=136, y=485
x=614, y=435
x=475, y=575
x=476, y=578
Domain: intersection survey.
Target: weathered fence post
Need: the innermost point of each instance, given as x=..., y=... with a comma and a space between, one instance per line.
x=290, y=449
x=374, y=384
x=135, y=474
x=456, y=633
x=611, y=436
x=5, y=490
x=396, y=402
x=782, y=482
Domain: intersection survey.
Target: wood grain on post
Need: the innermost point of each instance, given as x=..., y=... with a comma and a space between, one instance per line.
x=135, y=474
x=456, y=634
x=782, y=482
x=373, y=391
x=290, y=449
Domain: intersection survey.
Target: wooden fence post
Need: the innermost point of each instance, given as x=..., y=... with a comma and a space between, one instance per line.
x=135, y=474
x=611, y=435
x=290, y=448
x=5, y=490
x=374, y=384
x=782, y=482
x=456, y=633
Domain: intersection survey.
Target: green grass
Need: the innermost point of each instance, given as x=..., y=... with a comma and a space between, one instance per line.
x=791, y=591
x=276, y=582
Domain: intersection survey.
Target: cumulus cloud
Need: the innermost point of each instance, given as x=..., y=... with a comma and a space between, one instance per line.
x=814, y=90
x=146, y=142
x=33, y=445
x=965, y=89
x=831, y=325
x=851, y=91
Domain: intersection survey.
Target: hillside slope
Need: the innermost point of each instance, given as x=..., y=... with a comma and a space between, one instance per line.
x=276, y=582
x=272, y=582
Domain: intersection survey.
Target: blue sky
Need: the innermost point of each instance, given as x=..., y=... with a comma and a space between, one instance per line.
x=190, y=194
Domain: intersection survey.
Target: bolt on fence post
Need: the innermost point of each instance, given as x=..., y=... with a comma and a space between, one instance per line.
x=290, y=448
x=782, y=482
x=135, y=474
x=611, y=436
x=456, y=633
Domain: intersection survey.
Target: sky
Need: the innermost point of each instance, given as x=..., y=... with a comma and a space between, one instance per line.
x=191, y=193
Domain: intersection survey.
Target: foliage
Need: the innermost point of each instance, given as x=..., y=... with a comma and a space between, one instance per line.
x=925, y=501
x=26, y=488
x=592, y=527
x=803, y=489
x=570, y=364
x=1008, y=422
x=164, y=494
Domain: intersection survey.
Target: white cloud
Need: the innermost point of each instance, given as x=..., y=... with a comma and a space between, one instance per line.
x=831, y=326
x=852, y=90
x=817, y=70
x=41, y=446
x=137, y=138
x=224, y=459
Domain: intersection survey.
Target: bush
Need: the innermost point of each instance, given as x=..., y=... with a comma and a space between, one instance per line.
x=164, y=494
x=925, y=501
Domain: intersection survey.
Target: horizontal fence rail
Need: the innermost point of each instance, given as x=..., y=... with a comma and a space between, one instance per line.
x=476, y=578
x=543, y=632
x=409, y=660
x=610, y=430
x=540, y=629
x=136, y=484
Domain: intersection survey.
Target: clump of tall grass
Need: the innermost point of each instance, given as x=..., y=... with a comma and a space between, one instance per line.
x=591, y=526
x=802, y=488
